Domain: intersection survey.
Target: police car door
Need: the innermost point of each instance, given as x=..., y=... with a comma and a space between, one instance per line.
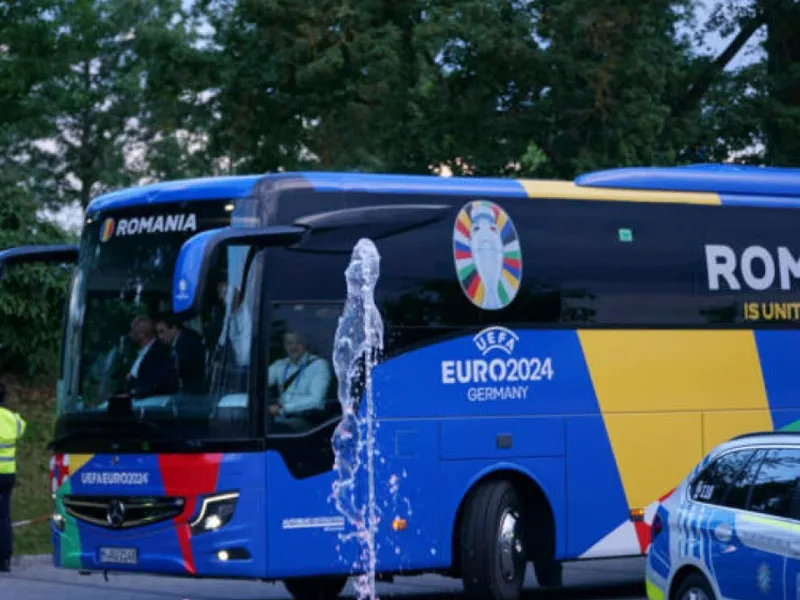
x=764, y=532
x=776, y=497
x=708, y=523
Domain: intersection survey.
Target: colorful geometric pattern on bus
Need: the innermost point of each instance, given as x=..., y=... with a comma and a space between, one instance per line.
x=487, y=255
x=672, y=396
x=631, y=412
x=167, y=548
x=625, y=417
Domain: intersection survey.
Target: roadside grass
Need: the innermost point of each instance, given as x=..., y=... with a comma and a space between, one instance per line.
x=32, y=496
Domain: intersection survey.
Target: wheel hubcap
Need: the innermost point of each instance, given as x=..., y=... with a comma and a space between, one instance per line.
x=512, y=555
x=694, y=594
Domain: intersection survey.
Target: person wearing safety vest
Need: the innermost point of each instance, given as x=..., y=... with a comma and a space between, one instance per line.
x=12, y=426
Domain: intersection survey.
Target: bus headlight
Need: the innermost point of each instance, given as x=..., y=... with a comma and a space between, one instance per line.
x=215, y=511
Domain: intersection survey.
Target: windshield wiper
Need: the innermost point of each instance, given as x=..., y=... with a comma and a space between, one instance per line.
x=98, y=432
x=165, y=432
x=78, y=433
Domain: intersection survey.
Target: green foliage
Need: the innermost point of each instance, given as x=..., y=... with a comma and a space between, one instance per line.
x=614, y=69
x=490, y=70
x=128, y=91
x=28, y=40
x=31, y=499
x=28, y=46
x=484, y=87
x=132, y=90
x=729, y=123
x=117, y=97
x=31, y=297
x=782, y=117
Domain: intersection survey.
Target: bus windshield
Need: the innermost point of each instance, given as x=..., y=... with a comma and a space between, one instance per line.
x=123, y=341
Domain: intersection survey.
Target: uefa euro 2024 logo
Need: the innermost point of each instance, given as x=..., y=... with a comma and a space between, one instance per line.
x=500, y=372
x=487, y=255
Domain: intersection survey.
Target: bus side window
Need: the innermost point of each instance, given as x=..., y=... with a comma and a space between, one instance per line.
x=302, y=384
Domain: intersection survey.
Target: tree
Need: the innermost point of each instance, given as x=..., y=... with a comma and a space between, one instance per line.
x=117, y=98
x=175, y=116
x=782, y=114
x=612, y=69
x=31, y=296
x=28, y=47
x=752, y=112
x=371, y=86
x=490, y=73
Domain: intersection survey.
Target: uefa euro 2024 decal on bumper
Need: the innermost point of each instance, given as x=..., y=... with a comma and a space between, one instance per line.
x=187, y=506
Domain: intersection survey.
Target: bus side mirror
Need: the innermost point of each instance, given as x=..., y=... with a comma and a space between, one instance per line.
x=199, y=252
x=339, y=230
x=55, y=253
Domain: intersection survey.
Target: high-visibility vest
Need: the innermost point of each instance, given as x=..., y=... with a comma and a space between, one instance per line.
x=12, y=426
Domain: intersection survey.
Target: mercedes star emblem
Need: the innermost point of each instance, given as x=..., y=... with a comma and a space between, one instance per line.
x=115, y=513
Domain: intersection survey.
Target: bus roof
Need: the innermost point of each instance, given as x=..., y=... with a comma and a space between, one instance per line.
x=715, y=184
x=704, y=178
x=179, y=190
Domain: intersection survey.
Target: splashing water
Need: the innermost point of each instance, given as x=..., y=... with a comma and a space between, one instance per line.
x=357, y=345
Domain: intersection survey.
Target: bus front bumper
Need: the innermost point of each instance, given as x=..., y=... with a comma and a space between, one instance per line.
x=166, y=550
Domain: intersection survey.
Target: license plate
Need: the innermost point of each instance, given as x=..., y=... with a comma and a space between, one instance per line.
x=119, y=556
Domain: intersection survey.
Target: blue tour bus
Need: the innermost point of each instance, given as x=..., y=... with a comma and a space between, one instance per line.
x=557, y=356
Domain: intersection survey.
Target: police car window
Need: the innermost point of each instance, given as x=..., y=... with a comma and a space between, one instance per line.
x=713, y=482
x=739, y=490
x=775, y=483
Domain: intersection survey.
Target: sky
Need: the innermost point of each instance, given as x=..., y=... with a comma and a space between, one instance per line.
x=72, y=217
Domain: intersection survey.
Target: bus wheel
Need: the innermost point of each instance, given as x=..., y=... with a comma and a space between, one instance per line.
x=493, y=558
x=316, y=588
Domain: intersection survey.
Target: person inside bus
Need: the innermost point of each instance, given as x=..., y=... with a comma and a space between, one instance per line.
x=153, y=372
x=188, y=352
x=301, y=379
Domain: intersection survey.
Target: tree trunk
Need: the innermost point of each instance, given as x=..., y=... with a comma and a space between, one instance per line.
x=782, y=120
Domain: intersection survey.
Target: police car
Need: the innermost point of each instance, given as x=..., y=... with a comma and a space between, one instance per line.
x=731, y=530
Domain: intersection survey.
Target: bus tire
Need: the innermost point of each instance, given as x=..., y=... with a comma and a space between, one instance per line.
x=316, y=588
x=493, y=558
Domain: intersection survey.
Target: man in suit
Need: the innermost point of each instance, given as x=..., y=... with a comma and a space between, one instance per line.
x=188, y=351
x=153, y=372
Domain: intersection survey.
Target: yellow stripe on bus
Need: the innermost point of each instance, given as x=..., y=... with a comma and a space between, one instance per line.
x=77, y=461
x=669, y=396
x=542, y=188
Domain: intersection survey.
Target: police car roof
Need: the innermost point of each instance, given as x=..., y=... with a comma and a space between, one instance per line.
x=779, y=438
x=793, y=436
x=736, y=184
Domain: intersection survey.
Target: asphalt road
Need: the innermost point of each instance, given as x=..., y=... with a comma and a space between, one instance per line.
x=36, y=580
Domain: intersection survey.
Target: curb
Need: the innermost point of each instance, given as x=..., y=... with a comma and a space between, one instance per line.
x=30, y=560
